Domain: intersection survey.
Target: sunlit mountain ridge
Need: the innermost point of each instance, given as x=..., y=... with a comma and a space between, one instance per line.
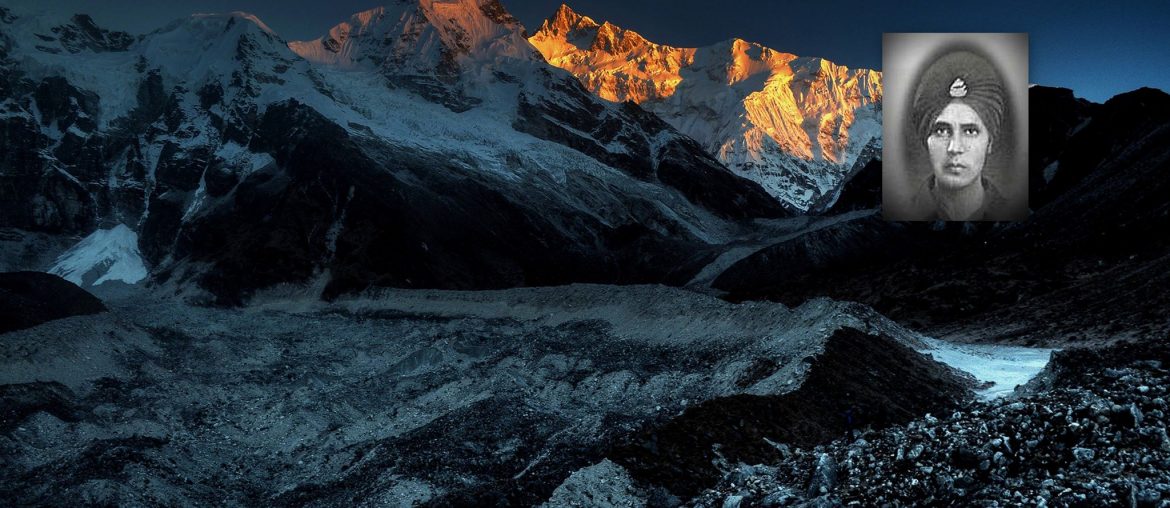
x=796, y=125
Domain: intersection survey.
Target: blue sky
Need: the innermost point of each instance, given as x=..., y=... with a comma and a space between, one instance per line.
x=1098, y=50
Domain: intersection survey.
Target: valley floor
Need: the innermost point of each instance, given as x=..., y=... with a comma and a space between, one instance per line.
x=443, y=397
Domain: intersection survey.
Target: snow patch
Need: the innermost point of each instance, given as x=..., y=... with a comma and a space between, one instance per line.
x=1050, y=171
x=1084, y=123
x=197, y=200
x=104, y=255
x=1005, y=366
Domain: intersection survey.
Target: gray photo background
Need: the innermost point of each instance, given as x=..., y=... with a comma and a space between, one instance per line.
x=904, y=57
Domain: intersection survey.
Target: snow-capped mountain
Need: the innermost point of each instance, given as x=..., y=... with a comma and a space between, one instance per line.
x=427, y=46
x=798, y=126
x=421, y=144
x=471, y=57
x=422, y=37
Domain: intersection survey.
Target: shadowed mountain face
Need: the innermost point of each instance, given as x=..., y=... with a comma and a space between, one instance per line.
x=1090, y=264
x=1059, y=115
x=28, y=299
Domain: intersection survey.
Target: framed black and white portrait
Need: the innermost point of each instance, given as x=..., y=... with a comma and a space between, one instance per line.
x=955, y=127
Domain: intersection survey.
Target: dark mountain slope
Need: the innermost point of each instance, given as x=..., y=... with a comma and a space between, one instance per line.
x=1090, y=264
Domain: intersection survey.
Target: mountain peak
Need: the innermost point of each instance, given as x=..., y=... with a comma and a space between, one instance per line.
x=367, y=17
x=794, y=125
x=54, y=32
x=567, y=27
x=565, y=12
x=218, y=47
x=614, y=39
x=219, y=22
x=496, y=12
x=1143, y=95
x=565, y=20
x=420, y=37
x=249, y=18
x=203, y=32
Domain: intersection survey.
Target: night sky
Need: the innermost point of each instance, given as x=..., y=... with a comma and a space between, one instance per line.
x=1095, y=49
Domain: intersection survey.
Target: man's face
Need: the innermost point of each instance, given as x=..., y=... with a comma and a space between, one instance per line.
x=957, y=143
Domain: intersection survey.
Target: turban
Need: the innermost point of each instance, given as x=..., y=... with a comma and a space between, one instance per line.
x=963, y=77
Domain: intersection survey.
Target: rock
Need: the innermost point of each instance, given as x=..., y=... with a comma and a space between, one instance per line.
x=602, y=484
x=1163, y=438
x=824, y=477
x=780, y=497
x=847, y=372
x=915, y=452
x=745, y=474
x=1147, y=497
x=999, y=459
x=28, y=299
x=1083, y=454
x=1136, y=413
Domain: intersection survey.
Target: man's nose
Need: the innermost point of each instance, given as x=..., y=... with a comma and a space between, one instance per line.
x=956, y=145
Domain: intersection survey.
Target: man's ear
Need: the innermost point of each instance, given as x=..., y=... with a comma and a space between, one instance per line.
x=990, y=145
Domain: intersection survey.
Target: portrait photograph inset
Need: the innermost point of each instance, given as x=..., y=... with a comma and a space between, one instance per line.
x=955, y=127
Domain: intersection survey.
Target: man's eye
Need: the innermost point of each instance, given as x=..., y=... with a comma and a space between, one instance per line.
x=971, y=131
x=942, y=131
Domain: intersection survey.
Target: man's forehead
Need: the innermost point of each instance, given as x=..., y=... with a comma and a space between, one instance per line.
x=959, y=113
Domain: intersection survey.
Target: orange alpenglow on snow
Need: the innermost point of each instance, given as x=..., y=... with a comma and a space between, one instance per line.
x=798, y=126
x=421, y=37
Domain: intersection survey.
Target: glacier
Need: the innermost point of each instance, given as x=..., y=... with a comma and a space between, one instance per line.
x=105, y=255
